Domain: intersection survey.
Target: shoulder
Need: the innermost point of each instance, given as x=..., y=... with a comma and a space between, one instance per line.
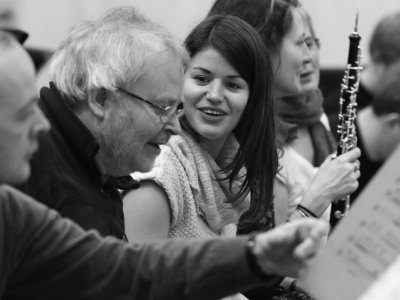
x=20, y=210
x=12, y=199
x=148, y=190
x=147, y=212
x=148, y=201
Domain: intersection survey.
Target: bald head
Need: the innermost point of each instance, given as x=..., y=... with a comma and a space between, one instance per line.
x=16, y=67
x=20, y=118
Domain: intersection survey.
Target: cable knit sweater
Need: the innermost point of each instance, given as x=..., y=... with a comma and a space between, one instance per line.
x=202, y=204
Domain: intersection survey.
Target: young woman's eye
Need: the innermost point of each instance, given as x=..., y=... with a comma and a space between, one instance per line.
x=200, y=79
x=233, y=85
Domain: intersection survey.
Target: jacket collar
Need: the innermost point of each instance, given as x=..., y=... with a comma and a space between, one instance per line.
x=73, y=130
x=78, y=136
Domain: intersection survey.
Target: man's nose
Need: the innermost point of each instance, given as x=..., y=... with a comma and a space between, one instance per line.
x=172, y=126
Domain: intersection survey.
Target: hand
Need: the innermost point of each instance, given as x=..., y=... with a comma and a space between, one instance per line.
x=288, y=249
x=335, y=179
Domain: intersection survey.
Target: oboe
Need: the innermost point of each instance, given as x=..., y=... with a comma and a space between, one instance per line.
x=346, y=130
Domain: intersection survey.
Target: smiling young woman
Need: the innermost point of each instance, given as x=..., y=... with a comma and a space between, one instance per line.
x=200, y=185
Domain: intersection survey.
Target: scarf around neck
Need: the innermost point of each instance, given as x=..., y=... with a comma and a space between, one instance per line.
x=305, y=111
x=197, y=177
x=217, y=201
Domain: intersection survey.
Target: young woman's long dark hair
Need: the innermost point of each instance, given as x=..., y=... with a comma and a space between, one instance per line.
x=272, y=19
x=244, y=49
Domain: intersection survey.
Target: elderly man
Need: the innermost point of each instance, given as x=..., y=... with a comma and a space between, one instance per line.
x=115, y=96
x=43, y=256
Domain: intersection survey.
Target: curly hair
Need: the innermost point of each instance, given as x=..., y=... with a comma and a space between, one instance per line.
x=109, y=52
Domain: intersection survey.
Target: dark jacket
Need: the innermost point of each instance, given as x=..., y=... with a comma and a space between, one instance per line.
x=65, y=175
x=43, y=256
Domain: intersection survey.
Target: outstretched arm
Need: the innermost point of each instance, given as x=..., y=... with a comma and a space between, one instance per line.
x=50, y=257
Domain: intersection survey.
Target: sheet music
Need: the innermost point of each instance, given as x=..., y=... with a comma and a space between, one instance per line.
x=387, y=286
x=363, y=244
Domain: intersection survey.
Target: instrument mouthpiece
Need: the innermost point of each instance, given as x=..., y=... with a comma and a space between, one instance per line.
x=356, y=26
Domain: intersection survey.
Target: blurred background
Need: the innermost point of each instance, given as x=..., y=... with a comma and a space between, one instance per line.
x=48, y=21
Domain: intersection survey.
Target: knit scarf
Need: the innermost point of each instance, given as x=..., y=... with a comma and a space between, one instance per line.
x=305, y=111
x=216, y=203
x=199, y=178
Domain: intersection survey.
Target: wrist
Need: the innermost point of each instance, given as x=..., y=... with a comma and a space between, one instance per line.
x=305, y=212
x=251, y=254
x=316, y=201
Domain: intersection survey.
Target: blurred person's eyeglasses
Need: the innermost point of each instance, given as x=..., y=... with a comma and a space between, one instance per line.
x=165, y=112
x=312, y=43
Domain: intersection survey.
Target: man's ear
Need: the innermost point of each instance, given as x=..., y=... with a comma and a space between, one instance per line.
x=97, y=102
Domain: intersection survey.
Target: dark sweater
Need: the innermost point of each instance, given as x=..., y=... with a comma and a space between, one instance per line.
x=44, y=256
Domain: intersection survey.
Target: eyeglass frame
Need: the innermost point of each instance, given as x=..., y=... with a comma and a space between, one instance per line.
x=165, y=110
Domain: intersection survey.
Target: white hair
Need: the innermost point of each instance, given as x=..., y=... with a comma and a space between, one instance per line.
x=109, y=53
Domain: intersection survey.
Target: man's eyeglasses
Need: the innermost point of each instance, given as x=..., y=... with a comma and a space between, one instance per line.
x=166, y=112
